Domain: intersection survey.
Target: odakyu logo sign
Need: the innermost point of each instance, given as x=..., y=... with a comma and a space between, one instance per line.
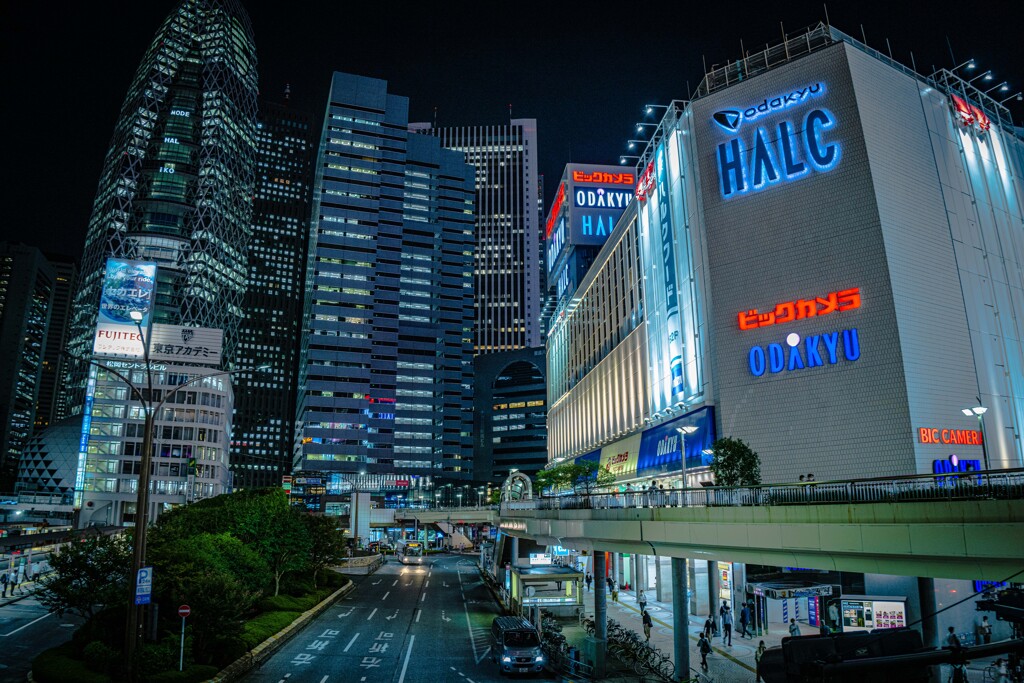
x=813, y=351
x=769, y=154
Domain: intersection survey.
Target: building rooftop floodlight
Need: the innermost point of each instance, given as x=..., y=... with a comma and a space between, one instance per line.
x=632, y=143
x=640, y=126
x=987, y=75
x=649, y=108
x=969, y=65
x=622, y=159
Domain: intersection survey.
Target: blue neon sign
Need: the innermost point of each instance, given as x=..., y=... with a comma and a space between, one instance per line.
x=777, y=153
x=816, y=350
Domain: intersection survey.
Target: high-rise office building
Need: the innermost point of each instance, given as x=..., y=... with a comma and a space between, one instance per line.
x=507, y=265
x=48, y=409
x=264, y=425
x=177, y=183
x=27, y=282
x=176, y=190
x=388, y=347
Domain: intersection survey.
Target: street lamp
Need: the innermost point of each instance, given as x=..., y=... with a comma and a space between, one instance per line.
x=979, y=410
x=459, y=496
x=142, y=493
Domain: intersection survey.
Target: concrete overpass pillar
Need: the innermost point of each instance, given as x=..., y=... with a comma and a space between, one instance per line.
x=659, y=584
x=600, y=613
x=714, y=586
x=929, y=621
x=616, y=568
x=515, y=550
x=680, y=619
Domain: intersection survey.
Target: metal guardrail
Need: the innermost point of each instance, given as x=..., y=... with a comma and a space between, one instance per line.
x=999, y=484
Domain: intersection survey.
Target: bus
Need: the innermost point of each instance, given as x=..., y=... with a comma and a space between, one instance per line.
x=410, y=552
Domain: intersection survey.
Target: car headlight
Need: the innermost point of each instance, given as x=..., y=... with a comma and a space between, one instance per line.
x=540, y=658
x=506, y=658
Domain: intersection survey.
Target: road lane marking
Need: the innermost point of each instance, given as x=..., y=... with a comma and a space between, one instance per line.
x=418, y=613
x=427, y=584
x=408, y=653
x=386, y=595
x=350, y=642
x=323, y=680
x=423, y=597
x=371, y=614
x=4, y=635
x=395, y=583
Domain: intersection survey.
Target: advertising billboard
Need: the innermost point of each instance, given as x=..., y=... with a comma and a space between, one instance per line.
x=181, y=344
x=128, y=287
x=663, y=448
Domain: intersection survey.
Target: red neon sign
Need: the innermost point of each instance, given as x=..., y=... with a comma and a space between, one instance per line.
x=833, y=302
x=970, y=114
x=555, y=208
x=646, y=183
x=963, y=437
x=603, y=178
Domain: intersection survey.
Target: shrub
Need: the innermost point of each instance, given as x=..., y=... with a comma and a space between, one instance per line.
x=265, y=625
x=99, y=657
x=58, y=665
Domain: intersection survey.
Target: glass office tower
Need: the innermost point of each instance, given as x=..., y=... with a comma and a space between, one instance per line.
x=388, y=345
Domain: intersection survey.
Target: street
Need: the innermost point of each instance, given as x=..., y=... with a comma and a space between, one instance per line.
x=403, y=624
x=26, y=629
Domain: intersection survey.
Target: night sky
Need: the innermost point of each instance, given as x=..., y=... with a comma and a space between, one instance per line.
x=582, y=72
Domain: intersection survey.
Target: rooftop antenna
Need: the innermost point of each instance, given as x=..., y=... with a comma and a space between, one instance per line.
x=889, y=47
x=435, y=116
x=913, y=64
x=863, y=36
x=287, y=92
x=950, y=46
x=785, y=43
x=827, y=21
x=509, y=111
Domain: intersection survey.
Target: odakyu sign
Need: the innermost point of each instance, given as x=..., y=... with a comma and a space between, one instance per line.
x=795, y=354
x=772, y=153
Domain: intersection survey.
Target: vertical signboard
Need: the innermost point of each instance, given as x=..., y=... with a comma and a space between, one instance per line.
x=83, y=440
x=128, y=288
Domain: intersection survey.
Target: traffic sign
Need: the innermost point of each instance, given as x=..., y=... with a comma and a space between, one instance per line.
x=184, y=611
x=144, y=586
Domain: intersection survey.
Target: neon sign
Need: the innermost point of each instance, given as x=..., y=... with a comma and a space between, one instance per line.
x=732, y=119
x=833, y=302
x=774, y=358
x=768, y=163
x=603, y=178
x=555, y=208
x=602, y=198
x=963, y=437
x=954, y=464
x=970, y=115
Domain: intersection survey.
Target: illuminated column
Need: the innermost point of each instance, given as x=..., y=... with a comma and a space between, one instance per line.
x=680, y=618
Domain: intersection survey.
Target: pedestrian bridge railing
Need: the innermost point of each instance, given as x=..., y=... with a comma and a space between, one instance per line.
x=996, y=484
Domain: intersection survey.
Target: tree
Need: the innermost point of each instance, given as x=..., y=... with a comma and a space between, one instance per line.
x=581, y=477
x=326, y=543
x=268, y=524
x=734, y=463
x=217, y=576
x=89, y=574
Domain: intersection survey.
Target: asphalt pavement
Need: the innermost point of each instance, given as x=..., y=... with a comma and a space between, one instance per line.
x=401, y=624
x=26, y=629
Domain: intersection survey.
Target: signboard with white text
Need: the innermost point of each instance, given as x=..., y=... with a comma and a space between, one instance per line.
x=182, y=344
x=128, y=287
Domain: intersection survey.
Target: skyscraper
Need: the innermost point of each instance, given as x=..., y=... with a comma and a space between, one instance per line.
x=264, y=424
x=507, y=265
x=387, y=378
x=176, y=191
x=47, y=407
x=176, y=186
x=27, y=282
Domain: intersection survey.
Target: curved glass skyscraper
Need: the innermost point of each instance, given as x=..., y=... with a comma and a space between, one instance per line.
x=177, y=183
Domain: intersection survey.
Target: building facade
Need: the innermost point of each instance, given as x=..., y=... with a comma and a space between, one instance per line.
x=177, y=183
x=27, y=283
x=507, y=266
x=264, y=424
x=174, y=207
x=831, y=288
x=387, y=386
x=48, y=408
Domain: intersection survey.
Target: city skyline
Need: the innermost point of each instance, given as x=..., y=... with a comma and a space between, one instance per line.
x=569, y=73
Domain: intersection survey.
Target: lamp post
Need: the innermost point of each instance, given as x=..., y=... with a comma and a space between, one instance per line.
x=142, y=493
x=979, y=410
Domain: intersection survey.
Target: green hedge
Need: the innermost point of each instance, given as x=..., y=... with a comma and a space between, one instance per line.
x=58, y=665
x=265, y=625
x=194, y=673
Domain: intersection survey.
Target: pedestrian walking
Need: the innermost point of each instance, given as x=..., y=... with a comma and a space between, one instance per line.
x=615, y=592
x=709, y=627
x=589, y=580
x=744, y=620
x=794, y=628
x=3, y=584
x=723, y=607
x=704, y=647
x=15, y=583
x=761, y=647
x=986, y=631
x=727, y=627
x=646, y=616
x=652, y=491
x=641, y=600
x=610, y=583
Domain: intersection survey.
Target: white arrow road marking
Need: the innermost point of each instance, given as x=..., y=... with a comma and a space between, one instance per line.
x=392, y=616
x=443, y=617
x=376, y=582
x=346, y=613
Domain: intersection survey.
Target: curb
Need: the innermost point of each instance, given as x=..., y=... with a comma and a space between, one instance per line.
x=263, y=651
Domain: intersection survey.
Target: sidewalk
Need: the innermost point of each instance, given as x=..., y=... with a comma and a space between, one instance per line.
x=24, y=590
x=726, y=664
